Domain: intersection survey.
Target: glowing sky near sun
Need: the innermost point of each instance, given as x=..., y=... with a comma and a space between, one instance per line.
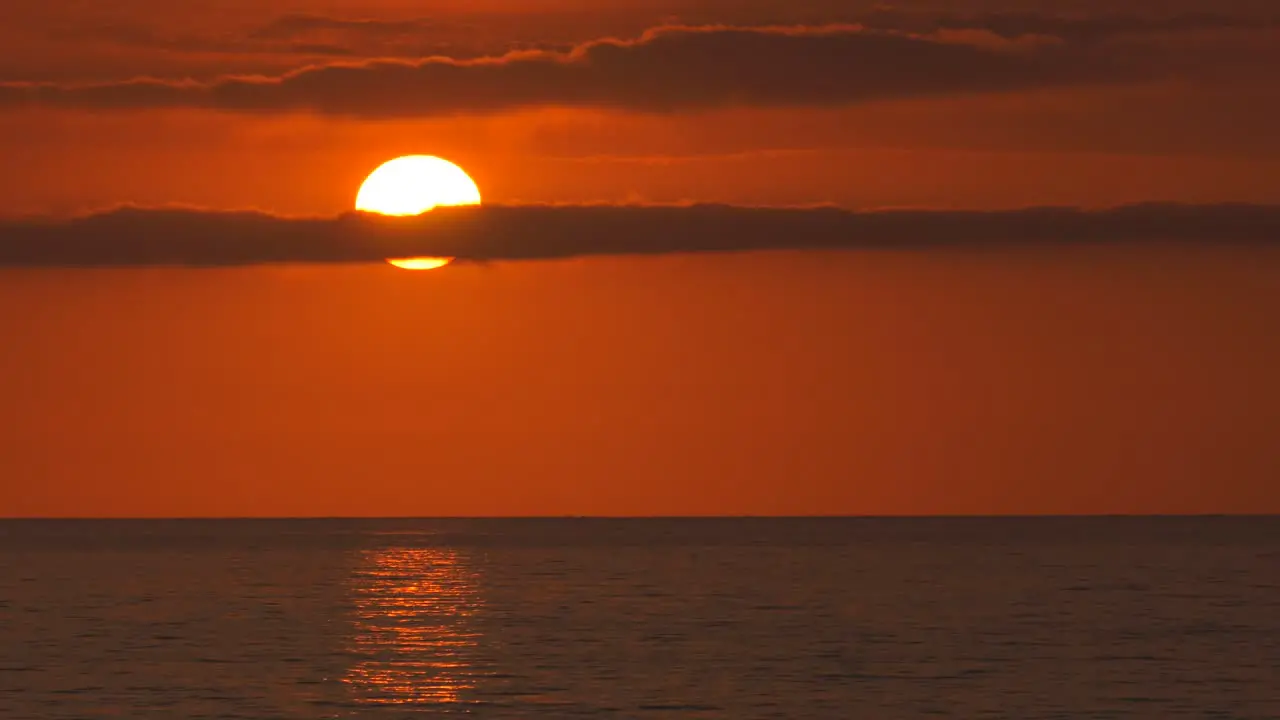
x=562, y=379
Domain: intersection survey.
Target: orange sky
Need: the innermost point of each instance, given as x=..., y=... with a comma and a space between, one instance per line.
x=1045, y=380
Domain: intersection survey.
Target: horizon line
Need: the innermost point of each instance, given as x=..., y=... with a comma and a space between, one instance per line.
x=939, y=516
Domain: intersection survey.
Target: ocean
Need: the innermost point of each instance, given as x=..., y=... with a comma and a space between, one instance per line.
x=641, y=618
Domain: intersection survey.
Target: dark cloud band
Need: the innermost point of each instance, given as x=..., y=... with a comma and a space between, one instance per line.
x=146, y=237
x=666, y=69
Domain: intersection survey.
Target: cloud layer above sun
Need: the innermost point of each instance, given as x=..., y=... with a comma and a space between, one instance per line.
x=681, y=68
x=176, y=237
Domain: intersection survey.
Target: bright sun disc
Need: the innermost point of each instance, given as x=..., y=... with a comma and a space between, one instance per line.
x=412, y=185
x=420, y=263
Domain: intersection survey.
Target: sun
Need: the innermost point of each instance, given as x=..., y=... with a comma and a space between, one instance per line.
x=412, y=185
x=420, y=263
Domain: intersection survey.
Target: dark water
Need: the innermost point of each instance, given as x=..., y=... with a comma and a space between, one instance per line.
x=831, y=618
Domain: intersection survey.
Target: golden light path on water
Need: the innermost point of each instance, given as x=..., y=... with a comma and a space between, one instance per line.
x=413, y=627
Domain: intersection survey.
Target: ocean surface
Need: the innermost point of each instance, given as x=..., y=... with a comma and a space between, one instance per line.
x=559, y=618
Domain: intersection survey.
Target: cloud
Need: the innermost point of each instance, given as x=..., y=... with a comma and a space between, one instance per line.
x=291, y=26
x=666, y=69
x=298, y=34
x=373, y=37
x=1079, y=29
x=178, y=237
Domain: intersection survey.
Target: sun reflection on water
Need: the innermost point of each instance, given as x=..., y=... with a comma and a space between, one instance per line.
x=414, y=636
